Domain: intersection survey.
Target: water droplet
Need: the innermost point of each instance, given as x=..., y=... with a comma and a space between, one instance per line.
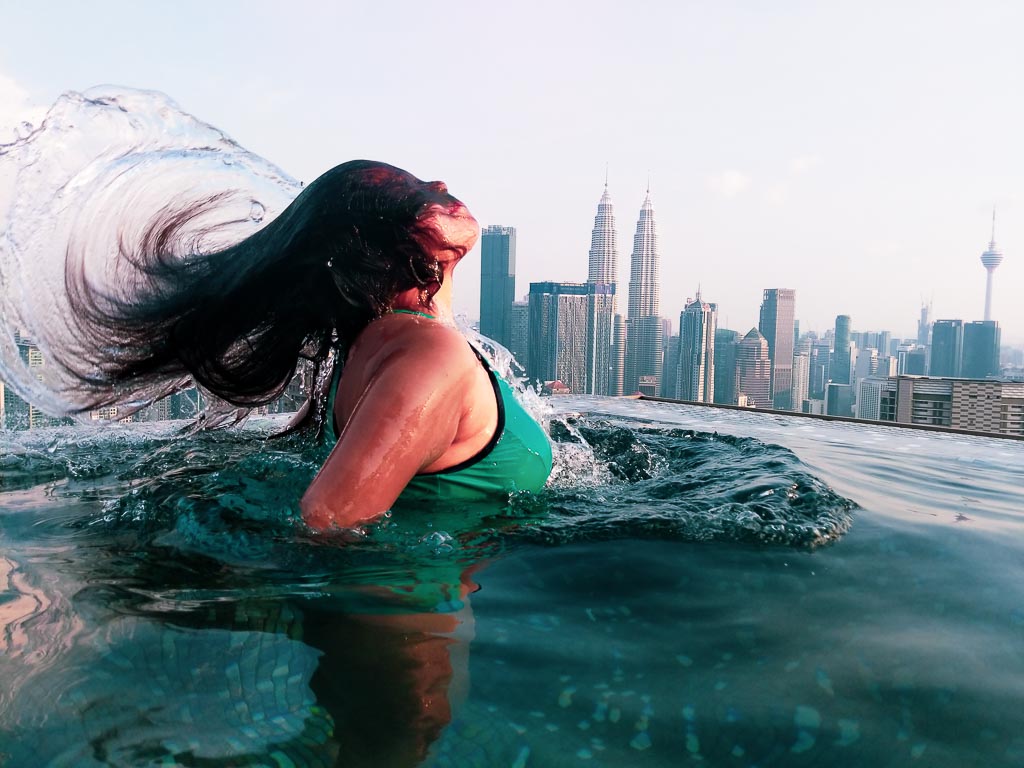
x=257, y=211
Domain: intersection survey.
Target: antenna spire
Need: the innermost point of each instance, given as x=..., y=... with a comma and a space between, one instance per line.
x=993, y=223
x=606, y=175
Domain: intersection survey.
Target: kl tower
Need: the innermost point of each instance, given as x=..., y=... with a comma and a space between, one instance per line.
x=991, y=258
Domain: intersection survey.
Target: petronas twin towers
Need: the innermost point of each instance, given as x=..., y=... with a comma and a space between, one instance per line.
x=637, y=344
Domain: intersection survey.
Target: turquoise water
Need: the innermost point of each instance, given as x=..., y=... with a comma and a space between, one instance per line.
x=695, y=586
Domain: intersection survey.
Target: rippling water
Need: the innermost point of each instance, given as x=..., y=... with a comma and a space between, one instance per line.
x=694, y=584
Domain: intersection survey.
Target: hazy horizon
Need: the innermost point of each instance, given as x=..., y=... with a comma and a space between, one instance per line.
x=852, y=152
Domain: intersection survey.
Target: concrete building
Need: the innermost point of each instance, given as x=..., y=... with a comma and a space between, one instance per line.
x=971, y=404
x=695, y=376
x=644, y=339
x=753, y=370
x=777, y=325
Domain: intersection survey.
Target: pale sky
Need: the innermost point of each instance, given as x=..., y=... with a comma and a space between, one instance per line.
x=850, y=150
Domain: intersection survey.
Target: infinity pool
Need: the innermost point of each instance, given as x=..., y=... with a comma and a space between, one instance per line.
x=695, y=586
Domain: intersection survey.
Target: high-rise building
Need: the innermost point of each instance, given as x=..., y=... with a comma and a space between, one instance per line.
x=947, y=348
x=670, y=368
x=604, y=249
x=991, y=259
x=695, y=375
x=643, y=325
x=839, y=399
x=867, y=364
x=726, y=344
x=615, y=380
x=777, y=325
x=497, y=282
x=912, y=361
x=566, y=325
x=869, y=397
x=801, y=381
x=603, y=267
x=821, y=361
x=839, y=372
x=18, y=413
x=519, y=343
x=924, y=325
x=753, y=370
x=981, y=350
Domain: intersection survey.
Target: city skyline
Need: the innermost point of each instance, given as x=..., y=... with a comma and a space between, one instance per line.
x=809, y=163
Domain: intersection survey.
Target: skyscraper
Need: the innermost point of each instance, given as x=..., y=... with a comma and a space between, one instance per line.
x=695, y=374
x=519, y=343
x=643, y=325
x=821, y=369
x=615, y=380
x=566, y=322
x=726, y=344
x=981, y=350
x=670, y=368
x=604, y=249
x=924, y=325
x=778, y=318
x=991, y=259
x=603, y=270
x=497, y=282
x=753, y=370
x=947, y=348
x=839, y=371
x=801, y=380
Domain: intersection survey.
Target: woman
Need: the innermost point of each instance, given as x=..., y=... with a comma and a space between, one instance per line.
x=361, y=263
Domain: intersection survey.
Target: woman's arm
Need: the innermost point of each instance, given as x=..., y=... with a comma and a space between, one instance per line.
x=406, y=417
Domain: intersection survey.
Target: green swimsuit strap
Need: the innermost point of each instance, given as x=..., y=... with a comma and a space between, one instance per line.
x=412, y=312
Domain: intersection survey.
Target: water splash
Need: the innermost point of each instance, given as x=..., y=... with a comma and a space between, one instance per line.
x=101, y=166
x=233, y=496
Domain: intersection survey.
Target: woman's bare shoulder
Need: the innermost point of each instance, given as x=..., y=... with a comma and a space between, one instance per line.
x=408, y=347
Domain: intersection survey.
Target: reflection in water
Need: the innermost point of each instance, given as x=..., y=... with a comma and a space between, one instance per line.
x=230, y=683
x=20, y=602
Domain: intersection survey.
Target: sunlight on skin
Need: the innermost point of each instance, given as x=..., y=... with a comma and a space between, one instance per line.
x=413, y=398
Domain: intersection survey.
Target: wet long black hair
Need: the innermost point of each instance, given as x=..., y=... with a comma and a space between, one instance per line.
x=239, y=320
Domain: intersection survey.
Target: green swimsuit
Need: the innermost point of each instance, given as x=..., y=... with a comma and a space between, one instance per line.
x=517, y=458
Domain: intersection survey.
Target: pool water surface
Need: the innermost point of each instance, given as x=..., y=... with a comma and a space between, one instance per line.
x=695, y=586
